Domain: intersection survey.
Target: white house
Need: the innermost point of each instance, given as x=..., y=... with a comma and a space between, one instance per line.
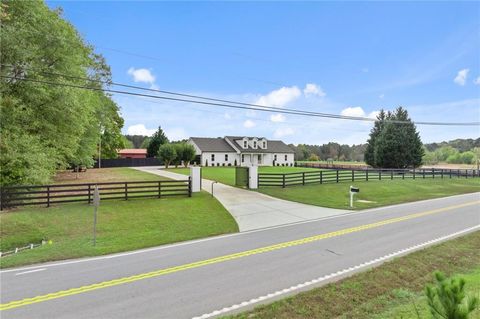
x=242, y=151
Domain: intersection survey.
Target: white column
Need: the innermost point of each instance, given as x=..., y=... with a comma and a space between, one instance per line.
x=253, y=177
x=196, y=178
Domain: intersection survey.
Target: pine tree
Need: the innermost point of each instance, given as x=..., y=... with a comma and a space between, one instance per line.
x=157, y=140
x=447, y=299
x=393, y=144
x=377, y=128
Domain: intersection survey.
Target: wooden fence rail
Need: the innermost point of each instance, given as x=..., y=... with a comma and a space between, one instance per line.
x=352, y=175
x=47, y=195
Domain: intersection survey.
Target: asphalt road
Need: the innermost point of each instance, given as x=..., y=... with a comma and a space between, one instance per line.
x=217, y=275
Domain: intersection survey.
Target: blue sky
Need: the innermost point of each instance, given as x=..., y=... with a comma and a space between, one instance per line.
x=345, y=58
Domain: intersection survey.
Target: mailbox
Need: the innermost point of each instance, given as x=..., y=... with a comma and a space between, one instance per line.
x=354, y=189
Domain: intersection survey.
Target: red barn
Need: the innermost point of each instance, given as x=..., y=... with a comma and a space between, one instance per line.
x=133, y=153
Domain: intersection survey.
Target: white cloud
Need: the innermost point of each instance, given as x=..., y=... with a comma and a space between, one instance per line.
x=140, y=129
x=477, y=81
x=373, y=115
x=353, y=111
x=313, y=89
x=277, y=118
x=142, y=75
x=283, y=131
x=358, y=112
x=249, y=124
x=280, y=97
x=176, y=134
x=381, y=96
x=461, y=77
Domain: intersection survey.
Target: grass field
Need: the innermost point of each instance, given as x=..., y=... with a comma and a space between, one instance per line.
x=375, y=193
x=388, y=291
x=226, y=175
x=118, y=174
x=122, y=225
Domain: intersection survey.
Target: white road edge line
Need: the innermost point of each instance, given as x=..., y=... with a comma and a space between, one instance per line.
x=332, y=275
x=191, y=242
x=30, y=271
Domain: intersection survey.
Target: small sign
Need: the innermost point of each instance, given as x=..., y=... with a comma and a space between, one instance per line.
x=96, y=197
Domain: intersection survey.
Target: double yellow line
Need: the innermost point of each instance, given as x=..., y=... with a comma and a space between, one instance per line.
x=261, y=250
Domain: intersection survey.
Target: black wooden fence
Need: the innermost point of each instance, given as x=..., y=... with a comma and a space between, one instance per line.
x=67, y=193
x=342, y=175
x=128, y=162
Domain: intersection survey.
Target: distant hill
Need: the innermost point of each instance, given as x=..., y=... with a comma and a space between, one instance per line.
x=462, y=145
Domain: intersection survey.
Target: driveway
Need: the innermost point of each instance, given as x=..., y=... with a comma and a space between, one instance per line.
x=253, y=210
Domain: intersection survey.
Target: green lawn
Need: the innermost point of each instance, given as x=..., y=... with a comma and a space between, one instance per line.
x=388, y=291
x=118, y=174
x=378, y=193
x=226, y=175
x=122, y=226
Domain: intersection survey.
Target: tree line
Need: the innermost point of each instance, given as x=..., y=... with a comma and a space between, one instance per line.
x=46, y=127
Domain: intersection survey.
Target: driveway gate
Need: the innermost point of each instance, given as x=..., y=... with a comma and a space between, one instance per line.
x=241, y=176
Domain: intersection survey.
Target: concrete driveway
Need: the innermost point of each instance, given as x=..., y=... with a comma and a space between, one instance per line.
x=253, y=210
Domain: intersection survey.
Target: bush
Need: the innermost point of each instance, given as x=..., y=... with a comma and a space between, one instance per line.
x=235, y=163
x=229, y=164
x=447, y=299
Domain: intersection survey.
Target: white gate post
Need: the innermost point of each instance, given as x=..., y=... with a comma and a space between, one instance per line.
x=253, y=177
x=196, y=179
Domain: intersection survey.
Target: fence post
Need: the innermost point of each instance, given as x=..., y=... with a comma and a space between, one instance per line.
x=450, y=173
x=353, y=175
x=391, y=174
x=126, y=191
x=466, y=173
x=337, y=175
x=303, y=178
x=89, y=193
x=414, y=173
x=458, y=173
x=441, y=173
x=403, y=174
x=48, y=196
x=321, y=177
x=366, y=176
x=189, y=186
x=159, y=189
x=433, y=172
x=380, y=174
x=283, y=181
x=423, y=172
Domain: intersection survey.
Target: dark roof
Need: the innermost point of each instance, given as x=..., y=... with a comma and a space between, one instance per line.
x=208, y=144
x=272, y=146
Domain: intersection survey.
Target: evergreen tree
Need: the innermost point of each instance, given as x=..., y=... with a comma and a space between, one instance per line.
x=157, y=140
x=377, y=128
x=393, y=144
x=447, y=299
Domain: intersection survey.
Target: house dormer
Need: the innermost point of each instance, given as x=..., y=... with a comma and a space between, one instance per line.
x=244, y=143
x=262, y=143
x=254, y=143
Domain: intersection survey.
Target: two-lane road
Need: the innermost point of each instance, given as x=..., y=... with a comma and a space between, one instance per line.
x=217, y=275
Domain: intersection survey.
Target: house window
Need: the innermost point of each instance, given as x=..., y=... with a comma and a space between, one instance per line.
x=243, y=158
x=244, y=144
x=264, y=144
x=254, y=144
x=286, y=157
x=275, y=157
x=226, y=157
x=213, y=157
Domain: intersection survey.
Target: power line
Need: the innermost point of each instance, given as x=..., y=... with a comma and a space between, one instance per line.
x=240, y=106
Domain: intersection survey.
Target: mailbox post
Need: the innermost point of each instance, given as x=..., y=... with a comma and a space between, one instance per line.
x=96, y=203
x=353, y=191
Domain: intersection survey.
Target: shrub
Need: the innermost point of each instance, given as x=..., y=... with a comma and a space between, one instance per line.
x=235, y=163
x=447, y=299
